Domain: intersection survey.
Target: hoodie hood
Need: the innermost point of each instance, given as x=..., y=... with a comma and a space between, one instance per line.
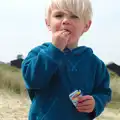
x=79, y=50
x=76, y=51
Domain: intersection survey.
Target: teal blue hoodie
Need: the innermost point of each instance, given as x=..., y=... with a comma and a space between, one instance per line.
x=50, y=75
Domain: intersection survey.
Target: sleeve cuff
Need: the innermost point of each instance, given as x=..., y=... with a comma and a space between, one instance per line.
x=55, y=54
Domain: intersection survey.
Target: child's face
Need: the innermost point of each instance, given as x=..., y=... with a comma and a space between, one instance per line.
x=64, y=20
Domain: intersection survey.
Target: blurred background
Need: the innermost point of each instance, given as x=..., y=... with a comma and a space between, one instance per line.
x=22, y=27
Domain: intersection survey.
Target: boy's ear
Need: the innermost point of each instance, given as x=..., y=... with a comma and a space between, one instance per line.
x=48, y=24
x=87, y=26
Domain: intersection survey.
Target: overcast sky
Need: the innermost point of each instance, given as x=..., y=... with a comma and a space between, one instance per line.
x=22, y=27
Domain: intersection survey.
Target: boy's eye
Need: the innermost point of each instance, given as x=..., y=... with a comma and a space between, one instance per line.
x=74, y=16
x=59, y=15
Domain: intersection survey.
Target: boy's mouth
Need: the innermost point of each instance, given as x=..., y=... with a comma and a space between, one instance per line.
x=67, y=30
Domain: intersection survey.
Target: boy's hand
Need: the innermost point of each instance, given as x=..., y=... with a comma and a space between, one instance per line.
x=85, y=104
x=60, y=39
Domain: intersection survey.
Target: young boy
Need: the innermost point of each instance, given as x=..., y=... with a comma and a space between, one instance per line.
x=52, y=71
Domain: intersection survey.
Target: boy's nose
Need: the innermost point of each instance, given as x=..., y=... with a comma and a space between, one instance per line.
x=66, y=21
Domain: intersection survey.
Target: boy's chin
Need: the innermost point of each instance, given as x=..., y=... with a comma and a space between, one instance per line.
x=72, y=43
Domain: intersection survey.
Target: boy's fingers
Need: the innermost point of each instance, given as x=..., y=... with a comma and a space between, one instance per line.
x=85, y=103
x=65, y=35
x=84, y=107
x=84, y=98
x=62, y=34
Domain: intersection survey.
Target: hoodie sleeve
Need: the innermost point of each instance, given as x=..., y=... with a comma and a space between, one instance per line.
x=102, y=91
x=40, y=65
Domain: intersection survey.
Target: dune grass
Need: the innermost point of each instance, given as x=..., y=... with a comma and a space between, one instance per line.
x=11, y=79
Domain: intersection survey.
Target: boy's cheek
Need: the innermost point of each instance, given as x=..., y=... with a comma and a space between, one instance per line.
x=57, y=27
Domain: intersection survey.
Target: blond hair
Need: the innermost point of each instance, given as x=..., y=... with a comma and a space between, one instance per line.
x=80, y=8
